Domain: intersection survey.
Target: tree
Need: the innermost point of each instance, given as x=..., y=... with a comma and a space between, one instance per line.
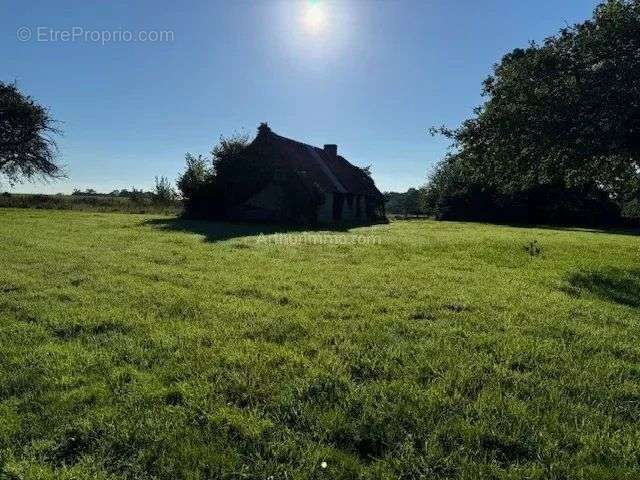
x=238, y=173
x=394, y=202
x=563, y=116
x=427, y=199
x=196, y=174
x=411, y=202
x=209, y=185
x=27, y=145
x=227, y=153
x=163, y=192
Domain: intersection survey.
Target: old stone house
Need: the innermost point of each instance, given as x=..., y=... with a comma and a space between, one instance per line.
x=309, y=183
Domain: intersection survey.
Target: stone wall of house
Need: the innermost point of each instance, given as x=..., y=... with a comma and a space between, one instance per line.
x=269, y=203
x=354, y=209
x=348, y=208
x=325, y=211
x=361, y=211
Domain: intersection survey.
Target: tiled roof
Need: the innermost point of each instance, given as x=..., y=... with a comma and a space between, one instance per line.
x=331, y=173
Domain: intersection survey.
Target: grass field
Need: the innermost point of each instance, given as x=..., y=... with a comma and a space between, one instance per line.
x=136, y=346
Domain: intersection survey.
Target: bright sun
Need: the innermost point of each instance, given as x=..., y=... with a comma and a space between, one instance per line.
x=315, y=17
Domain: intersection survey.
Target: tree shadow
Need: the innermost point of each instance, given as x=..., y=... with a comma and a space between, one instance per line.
x=629, y=231
x=612, y=284
x=220, y=231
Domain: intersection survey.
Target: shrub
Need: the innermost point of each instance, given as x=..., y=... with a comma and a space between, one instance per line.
x=533, y=248
x=210, y=185
x=632, y=209
x=196, y=174
x=539, y=205
x=163, y=192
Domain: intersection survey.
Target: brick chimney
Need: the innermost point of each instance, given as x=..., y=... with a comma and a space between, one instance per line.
x=331, y=150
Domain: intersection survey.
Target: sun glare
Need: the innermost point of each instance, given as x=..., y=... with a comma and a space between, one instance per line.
x=315, y=31
x=315, y=17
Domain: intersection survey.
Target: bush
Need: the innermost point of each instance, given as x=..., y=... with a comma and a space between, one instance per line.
x=632, y=209
x=196, y=174
x=209, y=186
x=539, y=205
x=473, y=204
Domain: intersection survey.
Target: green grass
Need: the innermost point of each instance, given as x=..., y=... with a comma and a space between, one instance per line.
x=136, y=346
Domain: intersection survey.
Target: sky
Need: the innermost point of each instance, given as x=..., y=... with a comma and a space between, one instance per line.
x=137, y=84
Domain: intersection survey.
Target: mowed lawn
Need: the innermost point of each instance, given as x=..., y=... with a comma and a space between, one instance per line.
x=136, y=346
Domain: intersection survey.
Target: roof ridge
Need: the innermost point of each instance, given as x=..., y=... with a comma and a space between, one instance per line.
x=295, y=141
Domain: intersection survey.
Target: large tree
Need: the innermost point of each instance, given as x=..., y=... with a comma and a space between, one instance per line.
x=562, y=114
x=27, y=131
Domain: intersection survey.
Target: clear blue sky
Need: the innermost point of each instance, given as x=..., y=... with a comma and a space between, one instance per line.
x=371, y=76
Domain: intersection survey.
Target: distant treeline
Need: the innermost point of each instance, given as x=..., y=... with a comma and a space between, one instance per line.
x=96, y=203
x=409, y=203
x=133, y=193
x=541, y=205
x=162, y=199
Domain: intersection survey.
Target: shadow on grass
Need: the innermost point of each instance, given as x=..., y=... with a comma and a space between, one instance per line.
x=632, y=228
x=630, y=231
x=220, y=231
x=612, y=284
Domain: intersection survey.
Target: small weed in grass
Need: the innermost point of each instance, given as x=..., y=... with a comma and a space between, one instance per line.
x=456, y=307
x=533, y=248
x=423, y=314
